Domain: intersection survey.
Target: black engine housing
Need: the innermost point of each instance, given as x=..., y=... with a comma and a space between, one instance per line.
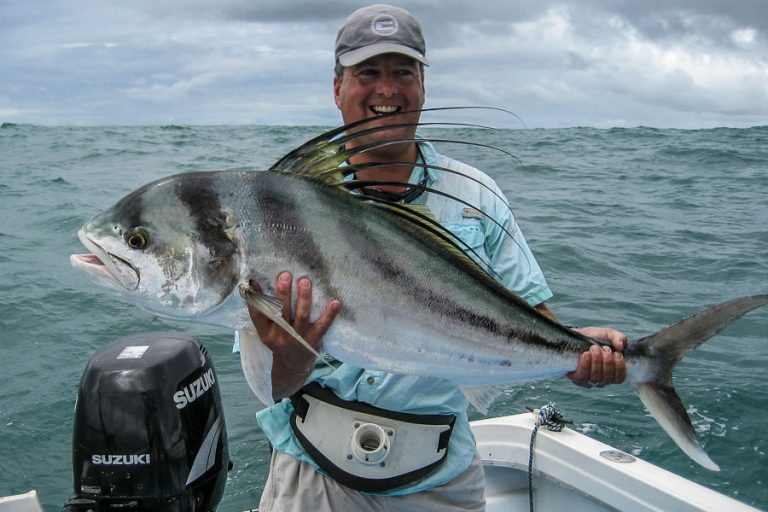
x=149, y=431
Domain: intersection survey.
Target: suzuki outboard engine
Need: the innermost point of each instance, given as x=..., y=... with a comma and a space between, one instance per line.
x=149, y=428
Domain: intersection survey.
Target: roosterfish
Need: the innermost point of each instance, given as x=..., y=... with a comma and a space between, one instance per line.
x=416, y=299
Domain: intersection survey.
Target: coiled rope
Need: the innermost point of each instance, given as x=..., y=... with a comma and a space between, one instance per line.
x=550, y=417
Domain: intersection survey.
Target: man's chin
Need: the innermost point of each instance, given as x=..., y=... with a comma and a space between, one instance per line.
x=392, y=136
x=397, y=130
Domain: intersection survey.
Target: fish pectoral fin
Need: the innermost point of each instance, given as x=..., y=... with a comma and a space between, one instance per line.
x=482, y=398
x=272, y=308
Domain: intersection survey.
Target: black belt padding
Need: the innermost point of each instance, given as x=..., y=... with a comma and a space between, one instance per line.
x=301, y=406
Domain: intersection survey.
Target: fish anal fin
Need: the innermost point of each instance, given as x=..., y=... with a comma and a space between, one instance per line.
x=482, y=398
x=667, y=408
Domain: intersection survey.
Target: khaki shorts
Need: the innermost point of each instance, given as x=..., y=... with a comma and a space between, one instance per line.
x=295, y=486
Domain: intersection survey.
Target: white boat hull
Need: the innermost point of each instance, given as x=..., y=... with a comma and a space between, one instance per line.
x=26, y=502
x=571, y=474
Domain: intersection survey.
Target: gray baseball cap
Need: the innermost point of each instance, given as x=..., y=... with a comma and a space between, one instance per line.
x=379, y=29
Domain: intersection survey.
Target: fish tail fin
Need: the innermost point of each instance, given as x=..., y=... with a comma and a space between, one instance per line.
x=666, y=348
x=668, y=410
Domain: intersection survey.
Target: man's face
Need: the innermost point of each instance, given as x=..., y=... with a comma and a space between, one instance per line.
x=381, y=85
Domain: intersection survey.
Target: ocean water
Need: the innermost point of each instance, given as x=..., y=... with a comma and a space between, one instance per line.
x=635, y=228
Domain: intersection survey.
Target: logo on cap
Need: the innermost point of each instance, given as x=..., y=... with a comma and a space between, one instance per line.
x=384, y=25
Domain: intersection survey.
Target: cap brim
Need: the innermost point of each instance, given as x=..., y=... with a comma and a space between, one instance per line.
x=366, y=52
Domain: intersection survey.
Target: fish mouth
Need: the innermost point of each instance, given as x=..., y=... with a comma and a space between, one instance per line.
x=104, y=265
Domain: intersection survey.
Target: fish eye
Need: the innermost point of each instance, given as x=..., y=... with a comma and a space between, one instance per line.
x=137, y=239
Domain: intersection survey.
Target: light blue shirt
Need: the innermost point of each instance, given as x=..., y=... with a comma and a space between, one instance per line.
x=511, y=262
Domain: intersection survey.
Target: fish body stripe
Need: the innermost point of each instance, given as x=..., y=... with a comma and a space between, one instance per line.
x=375, y=256
x=131, y=209
x=288, y=230
x=198, y=193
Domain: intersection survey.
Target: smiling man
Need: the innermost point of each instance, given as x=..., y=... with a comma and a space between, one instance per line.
x=431, y=459
x=384, y=84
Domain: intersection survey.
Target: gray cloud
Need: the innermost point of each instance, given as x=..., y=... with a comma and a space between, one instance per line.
x=684, y=63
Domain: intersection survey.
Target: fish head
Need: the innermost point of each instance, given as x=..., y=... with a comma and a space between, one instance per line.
x=167, y=245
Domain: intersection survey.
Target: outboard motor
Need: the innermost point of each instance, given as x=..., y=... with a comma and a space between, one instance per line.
x=149, y=429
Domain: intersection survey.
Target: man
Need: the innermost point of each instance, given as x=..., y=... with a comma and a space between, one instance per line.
x=380, y=55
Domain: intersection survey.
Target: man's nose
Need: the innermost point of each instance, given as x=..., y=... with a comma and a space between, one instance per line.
x=386, y=85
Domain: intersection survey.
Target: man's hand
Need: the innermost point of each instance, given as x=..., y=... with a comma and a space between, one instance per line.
x=292, y=363
x=601, y=365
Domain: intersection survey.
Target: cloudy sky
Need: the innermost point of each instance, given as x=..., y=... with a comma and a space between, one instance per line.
x=602, y=63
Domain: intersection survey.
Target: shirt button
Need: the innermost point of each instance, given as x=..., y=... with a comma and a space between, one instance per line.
x=371, y=380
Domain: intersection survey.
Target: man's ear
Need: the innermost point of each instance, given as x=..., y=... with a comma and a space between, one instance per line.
x=336, y=90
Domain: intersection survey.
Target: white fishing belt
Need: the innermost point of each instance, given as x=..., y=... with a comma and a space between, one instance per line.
x=365, y=447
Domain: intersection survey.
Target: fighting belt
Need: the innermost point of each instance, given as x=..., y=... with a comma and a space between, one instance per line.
x=365, y=447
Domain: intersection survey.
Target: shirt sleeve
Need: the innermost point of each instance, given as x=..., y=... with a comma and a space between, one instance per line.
x=511, y=259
